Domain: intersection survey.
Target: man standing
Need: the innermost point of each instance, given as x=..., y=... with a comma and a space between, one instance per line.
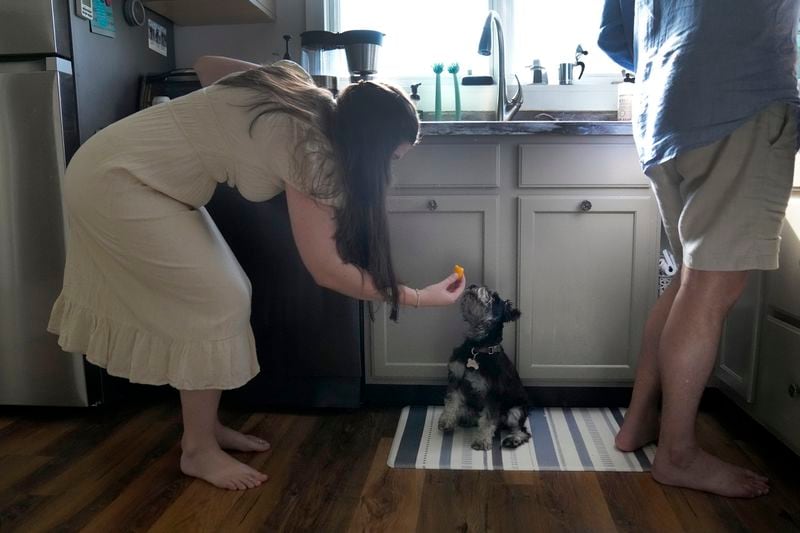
x=716, y=129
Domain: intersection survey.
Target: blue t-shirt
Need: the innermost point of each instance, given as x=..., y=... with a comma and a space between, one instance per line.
x=703, y=67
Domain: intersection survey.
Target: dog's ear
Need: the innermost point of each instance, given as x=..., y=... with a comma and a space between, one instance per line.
x=510, y=313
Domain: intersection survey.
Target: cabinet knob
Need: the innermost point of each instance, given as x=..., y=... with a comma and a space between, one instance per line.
x=432, y=205
x=586, y=205
x=794, y=391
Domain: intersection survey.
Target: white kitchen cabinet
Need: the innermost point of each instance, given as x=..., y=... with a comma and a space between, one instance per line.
x=738, y=348
x=760, y=350
x=778, y=393
x=458, y=165
x=429, y=233
x=508, y=208
x=587, y=278
x=783, y=285
x=776, y=292
x=604, y=163
x=202, y=12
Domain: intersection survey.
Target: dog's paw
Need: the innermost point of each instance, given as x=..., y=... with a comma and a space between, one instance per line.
x=446, y=423
x=513, y=441
x=482, y=444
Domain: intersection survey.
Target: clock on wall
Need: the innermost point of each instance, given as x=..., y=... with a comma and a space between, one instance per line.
x=134, y=12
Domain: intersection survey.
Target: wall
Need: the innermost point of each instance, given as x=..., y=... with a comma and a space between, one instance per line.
x=259, y=43
x=108, y=71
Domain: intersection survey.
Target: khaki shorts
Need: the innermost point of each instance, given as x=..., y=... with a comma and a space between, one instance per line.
x=723, y=205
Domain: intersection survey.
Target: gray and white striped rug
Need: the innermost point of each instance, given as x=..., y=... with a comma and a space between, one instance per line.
x=563, y=439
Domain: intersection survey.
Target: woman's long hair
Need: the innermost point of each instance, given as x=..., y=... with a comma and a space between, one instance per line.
x=363, y=126
x=371, y=121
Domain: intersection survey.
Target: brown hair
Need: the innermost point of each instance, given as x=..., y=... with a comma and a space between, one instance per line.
x=363, y=126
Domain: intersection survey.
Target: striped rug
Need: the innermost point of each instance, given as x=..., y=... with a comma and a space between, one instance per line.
x=563, y=439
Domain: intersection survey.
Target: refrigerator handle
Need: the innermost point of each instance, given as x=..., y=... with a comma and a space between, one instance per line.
x=58, y=64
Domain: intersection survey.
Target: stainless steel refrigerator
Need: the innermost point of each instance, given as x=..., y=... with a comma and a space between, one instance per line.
x=44, y=50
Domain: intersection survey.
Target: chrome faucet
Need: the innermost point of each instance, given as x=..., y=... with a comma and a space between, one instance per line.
x=506, y=109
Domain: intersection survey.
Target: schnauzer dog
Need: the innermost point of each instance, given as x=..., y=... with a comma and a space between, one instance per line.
x=484, y=388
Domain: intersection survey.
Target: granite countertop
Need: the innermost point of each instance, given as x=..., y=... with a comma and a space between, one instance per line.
x=528, y=127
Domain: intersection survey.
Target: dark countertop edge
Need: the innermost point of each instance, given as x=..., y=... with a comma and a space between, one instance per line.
x=527, y=128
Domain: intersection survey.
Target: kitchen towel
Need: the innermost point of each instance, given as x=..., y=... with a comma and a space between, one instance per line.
x=563, y=439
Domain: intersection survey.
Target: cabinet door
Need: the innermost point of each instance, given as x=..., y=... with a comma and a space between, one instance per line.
x=738, y=345
x=587, y=279
x=778, y=400
x=783, y=285
x=429, y=235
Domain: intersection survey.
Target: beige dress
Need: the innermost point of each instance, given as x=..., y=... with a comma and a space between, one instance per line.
x=151, y=290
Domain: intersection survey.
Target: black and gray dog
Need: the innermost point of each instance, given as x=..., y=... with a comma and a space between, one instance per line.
x=484, y=388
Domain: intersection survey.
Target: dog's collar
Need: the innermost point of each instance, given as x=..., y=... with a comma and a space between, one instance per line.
x=472, y=362
x=491, y=350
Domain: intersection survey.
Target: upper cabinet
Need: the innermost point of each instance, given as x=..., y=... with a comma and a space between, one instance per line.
x=202, y=12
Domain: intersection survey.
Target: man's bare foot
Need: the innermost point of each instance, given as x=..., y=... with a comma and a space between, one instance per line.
x=220, y=469
x=230, y=439
x=697, y=469
x=638, y=430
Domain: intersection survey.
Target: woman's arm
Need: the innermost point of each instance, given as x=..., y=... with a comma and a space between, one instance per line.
x=313, y=227
x=213, y=68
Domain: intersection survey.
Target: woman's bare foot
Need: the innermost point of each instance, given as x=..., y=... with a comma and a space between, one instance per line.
x=220, y=469
x=638, y=430
x=697, y=469
x=230, y=439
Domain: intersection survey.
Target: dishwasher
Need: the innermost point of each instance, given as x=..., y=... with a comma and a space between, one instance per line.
x=308, y=338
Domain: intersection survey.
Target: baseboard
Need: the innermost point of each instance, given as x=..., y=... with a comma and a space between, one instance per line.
x=400, y=395
x=731, y=413
x=291, y=392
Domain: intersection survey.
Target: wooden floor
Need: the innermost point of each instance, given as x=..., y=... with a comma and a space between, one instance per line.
x=115, y=469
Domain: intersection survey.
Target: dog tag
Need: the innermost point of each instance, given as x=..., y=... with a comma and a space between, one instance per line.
x=472, y=363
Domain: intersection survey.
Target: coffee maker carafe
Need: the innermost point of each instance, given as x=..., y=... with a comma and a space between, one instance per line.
x=314, y=45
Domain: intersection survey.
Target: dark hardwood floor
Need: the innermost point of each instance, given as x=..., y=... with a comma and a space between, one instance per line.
x=116, y=469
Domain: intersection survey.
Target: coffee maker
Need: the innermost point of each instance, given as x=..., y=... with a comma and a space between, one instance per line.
x=360, y=46
x=313, y=48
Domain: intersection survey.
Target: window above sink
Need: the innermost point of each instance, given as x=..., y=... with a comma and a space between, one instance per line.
x=422, y=32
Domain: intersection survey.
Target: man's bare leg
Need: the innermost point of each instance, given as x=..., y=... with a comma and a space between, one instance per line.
x=641, y=420
x=686, y=357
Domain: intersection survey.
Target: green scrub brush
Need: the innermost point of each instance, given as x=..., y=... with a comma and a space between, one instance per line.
x=438, y=68
x=453, y=69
